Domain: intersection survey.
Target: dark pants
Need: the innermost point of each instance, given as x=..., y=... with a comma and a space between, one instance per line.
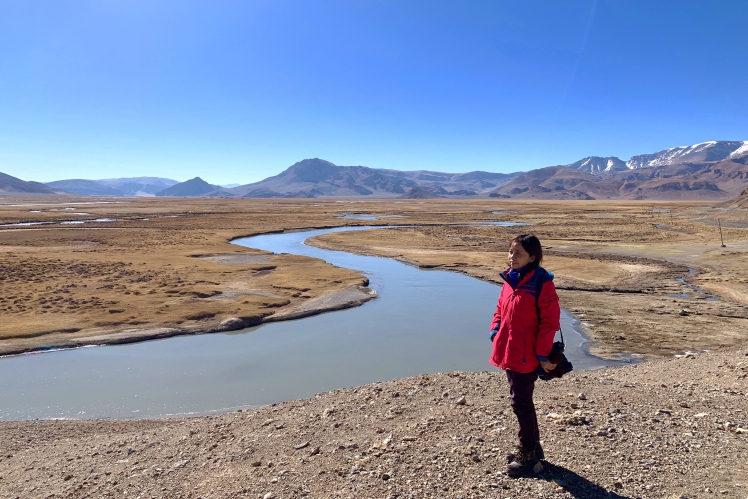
x=521, y=386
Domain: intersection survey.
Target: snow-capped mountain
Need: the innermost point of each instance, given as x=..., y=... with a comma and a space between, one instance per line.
x=597, y=165
x=714, y=150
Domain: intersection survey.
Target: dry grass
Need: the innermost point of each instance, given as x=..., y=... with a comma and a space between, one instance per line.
x=168, y=263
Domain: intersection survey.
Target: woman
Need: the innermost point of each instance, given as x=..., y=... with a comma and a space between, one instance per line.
x=522, y=333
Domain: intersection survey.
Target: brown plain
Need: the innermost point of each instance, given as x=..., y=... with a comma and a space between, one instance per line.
x=166, y=266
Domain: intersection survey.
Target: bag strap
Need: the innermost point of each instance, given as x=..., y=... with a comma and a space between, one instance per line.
x=538, y=287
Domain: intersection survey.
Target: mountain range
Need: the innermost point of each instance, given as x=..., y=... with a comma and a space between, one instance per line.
x=715, y=170
x=135, y=186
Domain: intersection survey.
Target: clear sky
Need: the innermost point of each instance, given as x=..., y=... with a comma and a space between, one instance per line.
x=235, y=91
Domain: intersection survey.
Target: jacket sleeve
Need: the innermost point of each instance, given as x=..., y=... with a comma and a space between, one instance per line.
x=496, y=317
x=550, y=320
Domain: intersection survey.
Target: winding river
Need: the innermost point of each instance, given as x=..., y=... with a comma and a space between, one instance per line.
x=424, y=321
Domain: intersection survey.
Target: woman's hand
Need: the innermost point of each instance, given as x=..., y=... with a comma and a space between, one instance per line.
x=547, y=366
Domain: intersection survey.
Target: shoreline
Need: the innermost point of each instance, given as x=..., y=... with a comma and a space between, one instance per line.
x=350, y=297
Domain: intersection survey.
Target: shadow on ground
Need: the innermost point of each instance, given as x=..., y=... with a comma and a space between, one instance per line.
x=575, y=484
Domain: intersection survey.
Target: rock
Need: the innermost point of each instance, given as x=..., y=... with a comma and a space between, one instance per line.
x=387, y=441
x=231, y=324
x=683, y=312
x=581, y=396
x=413, y=439
x=256, y=463
x=269, y=495
x=301, y=445
x=267, y=422
x=461, y=400
x=602, y=433
x=315, y=451
x=618, y=484
x=386, y=476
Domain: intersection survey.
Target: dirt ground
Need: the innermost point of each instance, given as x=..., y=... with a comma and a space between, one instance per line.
x=673, y=428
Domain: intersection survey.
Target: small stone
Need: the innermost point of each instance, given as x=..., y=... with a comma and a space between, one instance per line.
x=386, y=476
x=581, y=396
x=269, y=495
x=618, y=484
x=387, y=440
x=256, y=463
x=315, y=451
x=267, y=422
x=683, y=312
x=301, y=445
x=461, y=400
x=67, y=477
x=409, y=439
x=602, y=433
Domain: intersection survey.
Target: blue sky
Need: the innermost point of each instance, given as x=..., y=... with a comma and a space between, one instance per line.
x=238, y=91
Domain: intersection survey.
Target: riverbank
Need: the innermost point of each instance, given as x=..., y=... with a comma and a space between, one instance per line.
x=667, y=428
x=155, y=269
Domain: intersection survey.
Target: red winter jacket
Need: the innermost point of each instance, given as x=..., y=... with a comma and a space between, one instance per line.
x=522, y=341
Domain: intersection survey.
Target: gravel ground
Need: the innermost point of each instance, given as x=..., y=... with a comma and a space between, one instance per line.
x=662, y=429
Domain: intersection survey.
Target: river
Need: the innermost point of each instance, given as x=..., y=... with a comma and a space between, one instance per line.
x=424, y=321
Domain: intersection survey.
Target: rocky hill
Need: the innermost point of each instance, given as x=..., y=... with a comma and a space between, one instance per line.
x=320, y=178
x=190, y=188
x=740, y=202
x=12, y=185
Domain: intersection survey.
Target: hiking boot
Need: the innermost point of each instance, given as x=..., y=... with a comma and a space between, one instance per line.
x=538, y=453
x=522, y=464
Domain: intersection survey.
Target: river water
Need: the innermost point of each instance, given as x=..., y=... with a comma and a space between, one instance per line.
x=424, y=321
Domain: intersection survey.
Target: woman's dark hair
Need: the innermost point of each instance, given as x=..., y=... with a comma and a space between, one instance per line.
x=531, y=244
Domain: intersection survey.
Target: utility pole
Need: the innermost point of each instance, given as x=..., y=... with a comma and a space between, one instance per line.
x=720, y=233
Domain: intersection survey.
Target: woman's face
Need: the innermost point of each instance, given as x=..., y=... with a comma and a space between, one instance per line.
x=518, y=257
